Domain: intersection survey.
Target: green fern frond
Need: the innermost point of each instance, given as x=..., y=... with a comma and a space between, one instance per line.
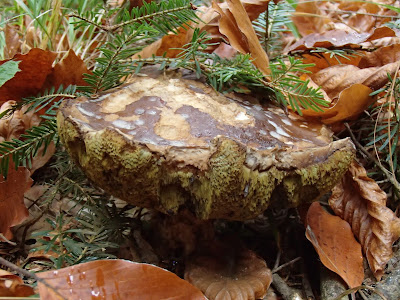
x=270, y=25
x=39, y=102
x=22, y=150
x=290, y=89
x=144, y=23
x=227, y=75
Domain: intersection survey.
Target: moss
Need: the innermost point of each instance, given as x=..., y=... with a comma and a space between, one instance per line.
x=228, y=189
x=306, y=184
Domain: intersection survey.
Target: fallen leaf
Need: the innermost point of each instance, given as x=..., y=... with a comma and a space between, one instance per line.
x=10, y=127
x=337, y=78
x=209, y=22
x=381, y=57
x=69, y=71
x=225, y=51
x=12, y=41
x=340, y=38
x=236, y=25
x=324, y=60
x=364, y=20
x=169, y=44
x=115, y=279
x=219, y=277
x=309, y=19
x=359, y=200
x=35, y=66
x=42, y=157
x=38, y=75
x=12, y=285
x=351, y=102
x=12, y=208
x=335, y=244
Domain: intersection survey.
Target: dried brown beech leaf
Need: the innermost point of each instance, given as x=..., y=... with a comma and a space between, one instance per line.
x=351, y=102
x=34, y=66
x=359, y=200
x=236, y=25
x=225, y=51
x=337, y=248
x=12, y=208
x=68, y=71
x=37, y=74
x=225, y=276
x=115, y=279
x=339, y=38
x=13, y=126
x=337, y=78
x=16, y=125
x=308, y=18
x=12, y=286
x=42, y=158
x=13, y=41
x=381, y=57
x=209, y=22
x=325, y=60
x=364, y=20
x=377, y=58
x=168, y=44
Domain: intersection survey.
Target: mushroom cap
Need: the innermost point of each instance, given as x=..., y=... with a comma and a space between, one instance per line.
x=225, y=276
x=165, y=140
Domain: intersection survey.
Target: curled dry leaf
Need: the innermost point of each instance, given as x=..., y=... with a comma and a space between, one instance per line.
x=309, y=19
x=350, y=102
x=324, y=60
x=225, y=51
x=13, y=41
x=236, y=25
x=12, y=285
x=209, y=22
x=12, y=208
x=381, y=57
x=359, y=200
x=340, y=38
x=15, y=125
x=337, y=78
x=337, y=248
x=34, y=66
x=68, y=71
x=241, y=276
x=37, y=74
x=115, y=279
x=348, y=89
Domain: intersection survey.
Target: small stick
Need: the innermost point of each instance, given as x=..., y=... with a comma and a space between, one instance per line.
x=5, y=240
x=357, y=288
x=285, y=265
x=26, y=273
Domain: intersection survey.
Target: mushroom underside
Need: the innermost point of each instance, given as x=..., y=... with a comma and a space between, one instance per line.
x=167, y=142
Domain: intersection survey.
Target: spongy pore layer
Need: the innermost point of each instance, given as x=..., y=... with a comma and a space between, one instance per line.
x=166, y=141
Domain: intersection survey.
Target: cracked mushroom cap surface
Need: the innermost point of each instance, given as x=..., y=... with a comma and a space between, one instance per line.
x=165, y=140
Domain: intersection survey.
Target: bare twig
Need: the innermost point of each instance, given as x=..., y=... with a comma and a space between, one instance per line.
x=4, y=239
x=276, y=269
x=286, y=291
x=26, y=273
x=357, y=288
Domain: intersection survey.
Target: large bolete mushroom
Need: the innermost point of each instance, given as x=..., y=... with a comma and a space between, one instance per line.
x=164, y=141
